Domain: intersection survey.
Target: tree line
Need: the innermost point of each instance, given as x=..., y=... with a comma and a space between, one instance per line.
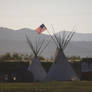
x=16, y=57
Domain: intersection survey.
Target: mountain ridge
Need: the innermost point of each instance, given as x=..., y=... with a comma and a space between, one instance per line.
x=15, y=41
x=77, y=36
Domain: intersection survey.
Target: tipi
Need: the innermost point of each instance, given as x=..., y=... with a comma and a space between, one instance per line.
x=61, y=69
x=35, y=66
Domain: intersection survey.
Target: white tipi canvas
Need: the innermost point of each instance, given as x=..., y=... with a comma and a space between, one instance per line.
x=61, y=70
x=37, y=70
x=37, y=46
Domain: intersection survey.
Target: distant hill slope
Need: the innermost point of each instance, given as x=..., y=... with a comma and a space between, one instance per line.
x=15, y=41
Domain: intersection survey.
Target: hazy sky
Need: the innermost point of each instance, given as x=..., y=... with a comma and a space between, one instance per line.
x=62, y=14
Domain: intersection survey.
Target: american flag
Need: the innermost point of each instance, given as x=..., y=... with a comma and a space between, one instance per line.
x=41, y=28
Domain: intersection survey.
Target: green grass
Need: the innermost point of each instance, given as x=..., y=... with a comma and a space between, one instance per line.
x=66, y=86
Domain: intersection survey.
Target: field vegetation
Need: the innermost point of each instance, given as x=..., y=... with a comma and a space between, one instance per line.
x=65, y=86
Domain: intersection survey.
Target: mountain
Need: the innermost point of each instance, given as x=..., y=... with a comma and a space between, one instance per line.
x=15, y=41
x=82, y=37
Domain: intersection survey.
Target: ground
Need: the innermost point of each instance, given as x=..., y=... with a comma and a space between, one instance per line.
x=65, y=86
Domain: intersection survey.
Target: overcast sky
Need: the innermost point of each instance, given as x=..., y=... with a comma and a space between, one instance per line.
x=62, y=14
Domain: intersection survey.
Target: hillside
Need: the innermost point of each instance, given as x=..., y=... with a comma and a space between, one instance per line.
x=15, y=41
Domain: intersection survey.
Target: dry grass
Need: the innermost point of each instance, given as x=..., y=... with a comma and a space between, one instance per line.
x=66, y=86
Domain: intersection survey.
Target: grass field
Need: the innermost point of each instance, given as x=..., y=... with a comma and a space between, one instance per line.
x=75, y=86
